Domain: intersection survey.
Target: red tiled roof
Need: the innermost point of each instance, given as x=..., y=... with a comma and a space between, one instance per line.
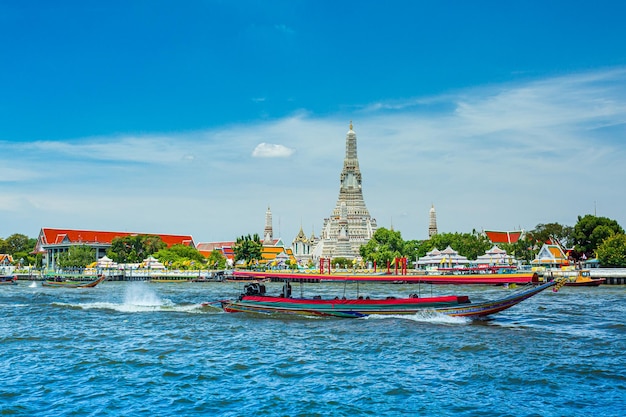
x=48, y=236
x=210, y=246
x=503, y=237
x=205, y=248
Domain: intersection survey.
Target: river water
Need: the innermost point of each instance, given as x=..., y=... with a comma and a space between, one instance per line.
x=148, y=349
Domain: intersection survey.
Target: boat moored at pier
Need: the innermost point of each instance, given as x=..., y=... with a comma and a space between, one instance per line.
x=572, y=277
x=62, y=282
x=8, y=279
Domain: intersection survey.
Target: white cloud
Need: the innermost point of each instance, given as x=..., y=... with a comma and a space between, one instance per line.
x=270, y=150
x=499, y=157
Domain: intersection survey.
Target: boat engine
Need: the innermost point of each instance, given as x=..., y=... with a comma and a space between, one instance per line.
x=254, y=288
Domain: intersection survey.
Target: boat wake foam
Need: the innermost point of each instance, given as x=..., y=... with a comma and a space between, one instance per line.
x=423, y=317
x=144, y=308
x=165, y=306
x=138, y=298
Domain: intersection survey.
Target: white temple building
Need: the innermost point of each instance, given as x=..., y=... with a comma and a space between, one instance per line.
x=350, y=224
x=303, y=247
x=447, y=258
x=496, y=257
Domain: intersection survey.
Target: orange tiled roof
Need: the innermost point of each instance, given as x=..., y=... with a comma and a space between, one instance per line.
x=503, y=237
x=48, y=236
x=556, y=252
x=551, y=254
x=269, y=253
x=5, y=259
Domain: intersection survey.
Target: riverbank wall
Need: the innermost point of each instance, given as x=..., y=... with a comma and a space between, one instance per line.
x=613, y=276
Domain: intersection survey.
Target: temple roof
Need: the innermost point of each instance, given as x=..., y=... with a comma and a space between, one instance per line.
x=50, y=236
x=504, y=237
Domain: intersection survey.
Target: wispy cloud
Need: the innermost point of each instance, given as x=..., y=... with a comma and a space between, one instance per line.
x=503, y=156
x=271, y=150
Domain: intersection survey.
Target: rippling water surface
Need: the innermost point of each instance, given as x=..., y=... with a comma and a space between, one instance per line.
x=152, y=349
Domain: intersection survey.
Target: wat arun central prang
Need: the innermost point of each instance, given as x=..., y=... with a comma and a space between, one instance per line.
x=350, y=224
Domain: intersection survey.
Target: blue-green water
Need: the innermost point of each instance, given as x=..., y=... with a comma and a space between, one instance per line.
x=151, y=349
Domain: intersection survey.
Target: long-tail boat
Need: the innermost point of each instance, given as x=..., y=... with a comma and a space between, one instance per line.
x=8, y=279
x=573, y=277
x=254, y=300
x=467, y=276
x=66, y=283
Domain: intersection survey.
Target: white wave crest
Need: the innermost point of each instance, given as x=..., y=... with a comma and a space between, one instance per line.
x=424, y=317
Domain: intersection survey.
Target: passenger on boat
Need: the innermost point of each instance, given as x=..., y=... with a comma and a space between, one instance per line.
x=286, y=290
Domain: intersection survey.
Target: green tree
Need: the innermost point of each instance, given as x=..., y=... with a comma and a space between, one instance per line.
x=181, y=257
x=77, y=257
x=216, y=260
x=470, y=245
x=413, y=250
x=384, y=246
x=612, y=251
x=340, y=262
x=524, y=249
x=153, y=244
x=248, y=249
x=134, y=249
x=18, y=243
x=20, y=247
x=590, y=231
x=543, y=233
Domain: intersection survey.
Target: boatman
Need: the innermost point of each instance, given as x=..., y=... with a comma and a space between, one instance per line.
x=286, y=290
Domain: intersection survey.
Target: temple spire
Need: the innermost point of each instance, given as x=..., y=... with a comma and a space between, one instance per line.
x=432, y=224
x=268, y=232
x=350, y=224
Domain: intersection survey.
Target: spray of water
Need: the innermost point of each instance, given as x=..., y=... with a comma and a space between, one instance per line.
x=425, y=317
x=138, y=294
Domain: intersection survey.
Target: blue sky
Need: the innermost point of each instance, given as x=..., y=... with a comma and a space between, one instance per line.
x=193, y=117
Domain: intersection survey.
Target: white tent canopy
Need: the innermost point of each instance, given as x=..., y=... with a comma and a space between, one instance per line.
x=152, y=263
x=496, y=256
x=106, y=262
x=446, y=258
